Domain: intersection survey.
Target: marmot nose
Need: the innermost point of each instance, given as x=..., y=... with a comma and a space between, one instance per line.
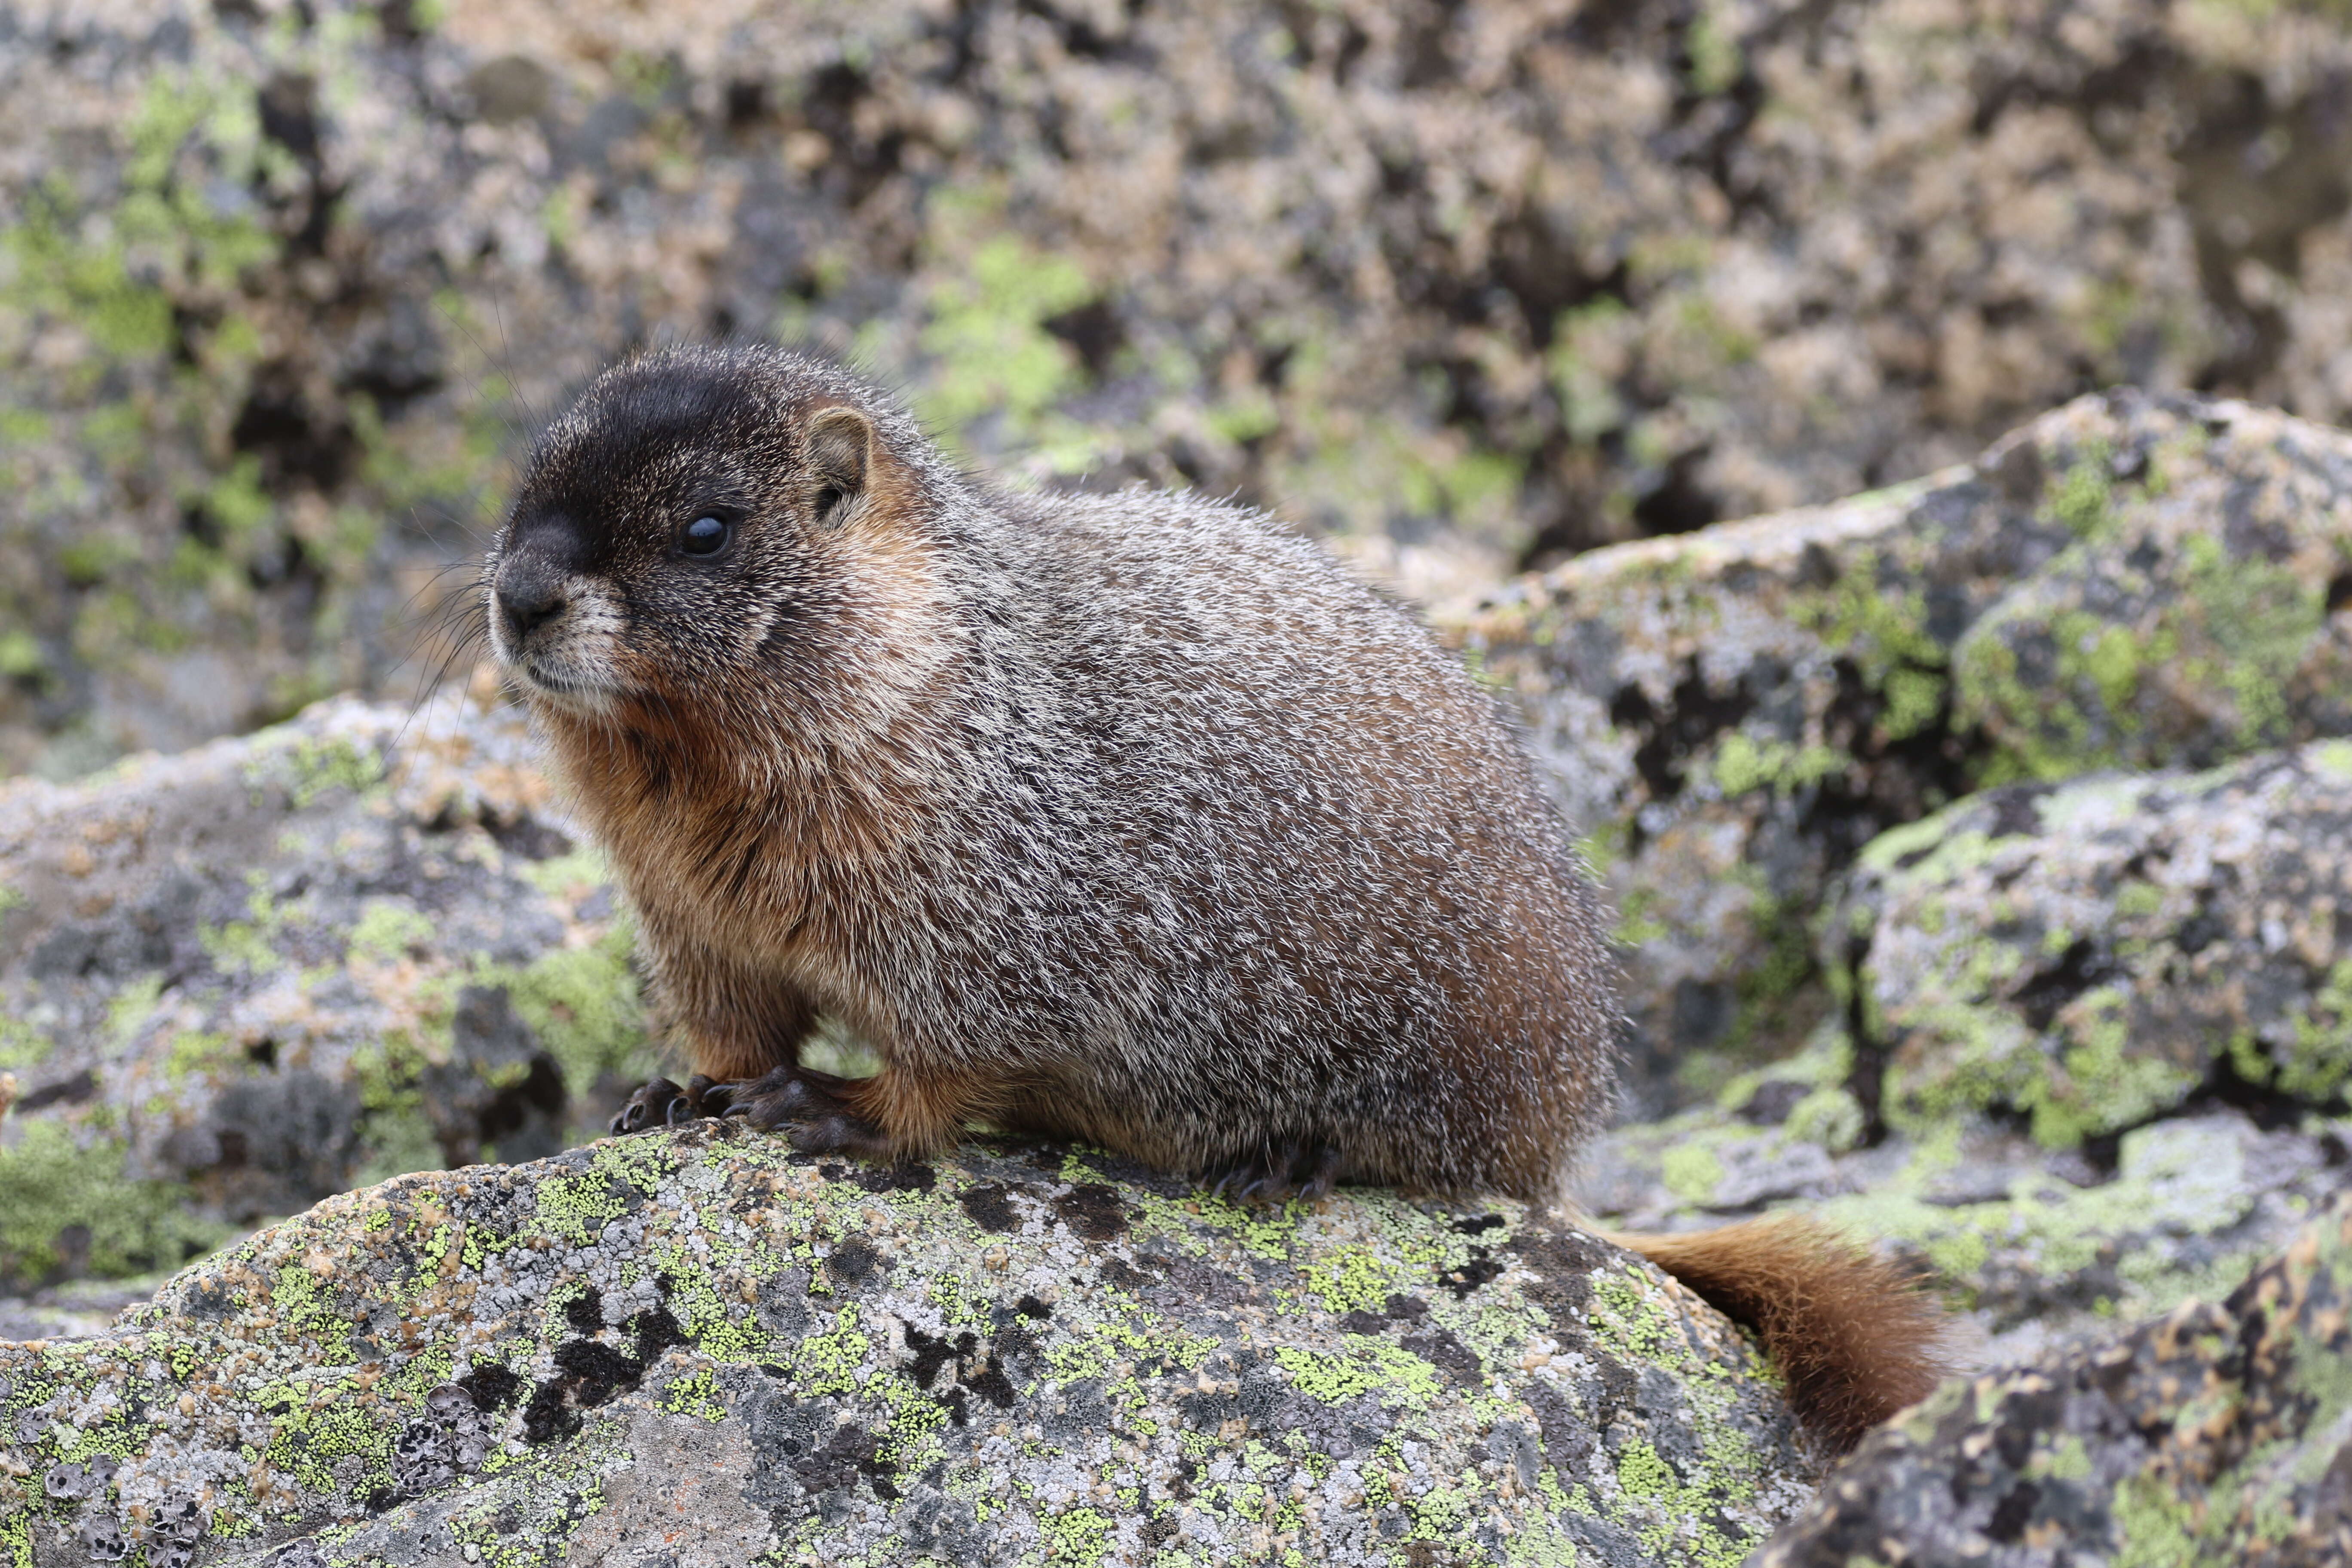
x=529, y=599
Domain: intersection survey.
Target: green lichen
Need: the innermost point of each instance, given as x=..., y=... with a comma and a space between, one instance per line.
x=69, y=1201
x=828, y=1363
x=1743, y=762
x=388, y=929
x=1627, y=1316
x=1351, y=1278
x=252, y=943
x=695, y=1395
x=1829, y=1117
x=314, y=1431
x=989, y=351
x=583, y=1004
x=2157, y=1526
x=1683, y=1529
x=195, y=1053
x=1692, y=1172
x=1365, y=1365
x=1884, y=629
x=2318, y=1064
x=1082, y=1537
x=1637, y=922
x=2080, y=498
x=2102, y=1084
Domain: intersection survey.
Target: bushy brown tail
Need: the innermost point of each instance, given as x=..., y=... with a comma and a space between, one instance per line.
x=1856, y=1338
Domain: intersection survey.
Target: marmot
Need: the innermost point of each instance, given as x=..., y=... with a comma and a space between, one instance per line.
x=1129, y=818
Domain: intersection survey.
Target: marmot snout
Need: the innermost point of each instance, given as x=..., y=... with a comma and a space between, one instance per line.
x=1127, y=819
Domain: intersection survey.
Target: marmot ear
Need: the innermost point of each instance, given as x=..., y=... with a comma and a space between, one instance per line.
x=840, y=456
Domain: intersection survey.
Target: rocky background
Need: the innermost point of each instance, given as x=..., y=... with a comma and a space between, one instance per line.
x=1463, y=287
x=1978, y=818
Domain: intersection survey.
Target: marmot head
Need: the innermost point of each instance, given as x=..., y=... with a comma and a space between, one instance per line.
x=708, y=529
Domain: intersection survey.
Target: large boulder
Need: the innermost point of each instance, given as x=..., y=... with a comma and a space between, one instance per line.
x=2221, y=1433
x=1453, y=283
x=235, y=981
x=694, y=1347
x=1732, y=715
x=2087, y=956
x=2092, y=1053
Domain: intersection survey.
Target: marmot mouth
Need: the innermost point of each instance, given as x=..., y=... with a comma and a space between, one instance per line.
x=589, y=692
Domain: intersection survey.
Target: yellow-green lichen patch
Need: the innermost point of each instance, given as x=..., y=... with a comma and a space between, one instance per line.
x=1351, y=1280
x=695, y=1395
x=1365, y=1365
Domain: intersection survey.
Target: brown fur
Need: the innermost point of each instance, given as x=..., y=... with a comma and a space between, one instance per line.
x=1125, y=818
x=1856, y=1338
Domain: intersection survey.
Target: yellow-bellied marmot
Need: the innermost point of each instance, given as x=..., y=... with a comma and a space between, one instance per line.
x=1127, y=818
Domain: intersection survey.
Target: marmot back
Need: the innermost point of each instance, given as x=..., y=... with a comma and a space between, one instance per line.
x=1129, y=818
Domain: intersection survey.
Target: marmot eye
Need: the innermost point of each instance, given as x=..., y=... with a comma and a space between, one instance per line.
x=703, y=536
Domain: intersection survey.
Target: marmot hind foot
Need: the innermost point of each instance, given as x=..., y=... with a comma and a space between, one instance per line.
x=1296, y=1167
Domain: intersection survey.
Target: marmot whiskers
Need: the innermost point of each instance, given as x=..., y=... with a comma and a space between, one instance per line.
x=1127, y=818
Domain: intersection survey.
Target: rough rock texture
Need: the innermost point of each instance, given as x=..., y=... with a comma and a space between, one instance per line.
x=2220, y=1434
x=2037, y=1249
x=1455, y=282
x=694, y=1347
x=1731, y=715
x=2093, y=1055
x=237, y=980
x=2086, y=957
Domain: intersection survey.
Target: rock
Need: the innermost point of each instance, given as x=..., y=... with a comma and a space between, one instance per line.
x=697, y=1344
x=2090, y=955
x=2220, y=1434
x=1456, y=285
x=2037, y=1249
x=2092, y=1057
x=237, y=980
x=1733, y=714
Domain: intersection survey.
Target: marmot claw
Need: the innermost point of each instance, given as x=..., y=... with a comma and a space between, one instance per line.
x=654, y=1104
x=1296, y=1167
x=806, y=1105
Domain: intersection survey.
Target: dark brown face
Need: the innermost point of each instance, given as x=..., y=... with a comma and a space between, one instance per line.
x=678, y=529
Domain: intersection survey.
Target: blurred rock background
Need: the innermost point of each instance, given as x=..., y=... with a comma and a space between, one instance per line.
x=1928, y=916
x=1466, y=287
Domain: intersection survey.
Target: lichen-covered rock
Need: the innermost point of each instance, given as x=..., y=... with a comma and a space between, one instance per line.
x=2090, y=955
x=1731, y=715
x=695, y=1346
x=2220, y=1434
x=2091, y=1056
x=2037, y=1248
x=237, y=980
x=1454, y=283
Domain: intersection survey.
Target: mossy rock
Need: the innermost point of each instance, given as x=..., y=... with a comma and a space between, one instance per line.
x=2035, y=1249
x=699, y=1342
x=2090, y=956
x=273, y=281
x=1731, y=715
x=237, y=980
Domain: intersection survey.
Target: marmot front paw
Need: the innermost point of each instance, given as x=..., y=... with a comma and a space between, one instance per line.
x=809, y=1106
x=806, y=1105
x=657, y=1102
